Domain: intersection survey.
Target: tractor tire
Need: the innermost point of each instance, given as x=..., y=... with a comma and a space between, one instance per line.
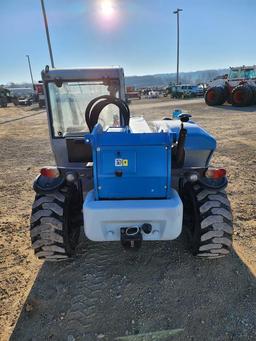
x=215, y=96
x=55, y=223
x=207, y=220
x=253, y=88
x=242, y=96
x=229, y=100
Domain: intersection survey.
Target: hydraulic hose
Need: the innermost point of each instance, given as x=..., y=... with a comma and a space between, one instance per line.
x=96, y=106
x=180, y=152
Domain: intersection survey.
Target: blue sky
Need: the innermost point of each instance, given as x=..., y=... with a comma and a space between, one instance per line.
x=140, y=35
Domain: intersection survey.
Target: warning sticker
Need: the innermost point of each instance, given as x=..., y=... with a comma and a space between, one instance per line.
x=121, y=162
x=118, y=162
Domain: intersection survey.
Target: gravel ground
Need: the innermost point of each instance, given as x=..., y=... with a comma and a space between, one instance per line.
x=160, y=292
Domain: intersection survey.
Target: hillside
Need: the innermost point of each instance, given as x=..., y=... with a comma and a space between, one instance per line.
x=165, y=78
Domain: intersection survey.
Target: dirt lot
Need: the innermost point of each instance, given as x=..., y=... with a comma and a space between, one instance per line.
x=106, y=293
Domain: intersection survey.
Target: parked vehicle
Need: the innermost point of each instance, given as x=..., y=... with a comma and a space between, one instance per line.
x=39, y=92
x=25, y=100
x=153, y=94
x=133, y=95
x=238, y=88
x=186, y=91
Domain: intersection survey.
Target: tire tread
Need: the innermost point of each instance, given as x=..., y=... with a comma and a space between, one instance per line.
x=47, y=226
x=215, y=226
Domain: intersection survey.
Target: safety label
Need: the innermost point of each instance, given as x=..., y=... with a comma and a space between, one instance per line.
x=121, y=162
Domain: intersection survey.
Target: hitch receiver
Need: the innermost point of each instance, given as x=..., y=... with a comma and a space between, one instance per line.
x=131, y=237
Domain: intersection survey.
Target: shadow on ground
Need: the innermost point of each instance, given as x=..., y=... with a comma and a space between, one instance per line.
x=226, y=106
x=107, y=292
x=35, y=107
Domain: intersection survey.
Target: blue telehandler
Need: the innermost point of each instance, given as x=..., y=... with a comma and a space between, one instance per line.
x=119, y=178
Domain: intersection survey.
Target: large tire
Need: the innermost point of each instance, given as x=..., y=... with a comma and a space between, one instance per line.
x=253, y=88
x=3, y=103
x=208, y=225
x=55, y=223
x=242, y=96
x=215, y=96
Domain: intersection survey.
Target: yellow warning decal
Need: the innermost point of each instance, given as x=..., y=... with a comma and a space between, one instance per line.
x=125, y=163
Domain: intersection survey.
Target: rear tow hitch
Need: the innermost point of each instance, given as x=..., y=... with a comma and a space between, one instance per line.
x=131, y=237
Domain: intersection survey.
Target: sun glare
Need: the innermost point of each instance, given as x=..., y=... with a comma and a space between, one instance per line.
x=107, y=8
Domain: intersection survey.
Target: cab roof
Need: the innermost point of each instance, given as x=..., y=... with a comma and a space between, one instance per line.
x=244, y=67
x=73, y=74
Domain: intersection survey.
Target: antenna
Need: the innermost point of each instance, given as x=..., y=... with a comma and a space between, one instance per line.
x=47, y=33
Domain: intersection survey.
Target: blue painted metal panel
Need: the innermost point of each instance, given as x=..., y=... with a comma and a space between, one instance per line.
x=127, y=138
x=130, y=165
x=197, y=138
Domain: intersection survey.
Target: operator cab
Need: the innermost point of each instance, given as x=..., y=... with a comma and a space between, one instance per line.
x=68, y=93
x=242, y=72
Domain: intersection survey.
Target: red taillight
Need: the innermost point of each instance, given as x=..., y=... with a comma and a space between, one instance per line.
x=215, y=173
x=50, y=172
